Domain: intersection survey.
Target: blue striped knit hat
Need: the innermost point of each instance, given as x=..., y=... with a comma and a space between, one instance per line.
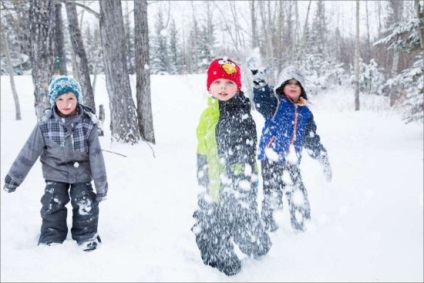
x=61, y=85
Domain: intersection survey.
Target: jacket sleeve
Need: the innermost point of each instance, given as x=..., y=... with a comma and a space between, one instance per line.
x=202, y=170
x=313, y=143
x=97, y=164
x=265, y=101
x=25, y=160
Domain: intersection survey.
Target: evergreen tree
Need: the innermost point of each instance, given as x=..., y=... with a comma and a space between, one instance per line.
x=159, y=51
x=413, y=83
x=174, y=53
x=318, y=34
x=94, y=53
x=195, y=48
x=206, y=45
x=371, y=78
x=405, y=37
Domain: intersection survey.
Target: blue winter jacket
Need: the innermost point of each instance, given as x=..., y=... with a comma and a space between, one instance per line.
x=286, y=123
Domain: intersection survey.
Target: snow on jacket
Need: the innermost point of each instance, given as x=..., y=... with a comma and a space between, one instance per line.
x=288, y=126
x=227, y=138
x=68, y=148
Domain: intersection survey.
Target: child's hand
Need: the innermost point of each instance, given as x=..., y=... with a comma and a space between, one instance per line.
x=259, y=77
x=326, y=167
x=9, y=189
x=100, y=198
x=328, y=173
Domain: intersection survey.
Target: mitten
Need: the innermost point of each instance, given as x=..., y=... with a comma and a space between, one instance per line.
x=326, y=167
x=10, y=185
x=100, y=198
x=259, y=77
x=9, y=189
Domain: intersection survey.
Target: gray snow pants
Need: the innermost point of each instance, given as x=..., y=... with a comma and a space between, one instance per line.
x=85, y=216
x=275, y=185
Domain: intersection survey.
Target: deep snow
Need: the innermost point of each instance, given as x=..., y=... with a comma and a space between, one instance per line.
x=367, y=224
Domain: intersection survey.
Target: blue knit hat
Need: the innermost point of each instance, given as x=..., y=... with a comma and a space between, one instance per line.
x=61, y=85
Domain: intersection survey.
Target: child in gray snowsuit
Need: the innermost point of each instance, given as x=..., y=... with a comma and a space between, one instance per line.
x=227, y=172
x=68, y=146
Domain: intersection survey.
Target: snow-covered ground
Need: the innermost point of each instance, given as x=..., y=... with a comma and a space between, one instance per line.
x=367, y=224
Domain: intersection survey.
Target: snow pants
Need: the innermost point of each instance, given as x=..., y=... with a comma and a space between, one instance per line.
x=85, y=216
x=233, y=219
x=284, y=179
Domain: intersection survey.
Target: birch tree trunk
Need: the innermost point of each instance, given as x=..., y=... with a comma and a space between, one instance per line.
x=42, y=24
x=60, y=41
x=394, y=72
x=397, y=7
x=368, y=33
x=11, y=73
x=80, y=56
x=357, y=104
x=143, y=93
x=123, y=122
x=279, y=37
x=254, y=41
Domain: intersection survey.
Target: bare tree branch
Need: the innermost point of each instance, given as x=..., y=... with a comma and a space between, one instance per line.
x=88, y=9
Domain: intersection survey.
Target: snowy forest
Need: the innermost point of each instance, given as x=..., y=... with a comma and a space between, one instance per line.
x=142, y=66
x=376, y=47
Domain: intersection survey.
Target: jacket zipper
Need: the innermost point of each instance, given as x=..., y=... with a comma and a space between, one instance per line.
x=293, y=138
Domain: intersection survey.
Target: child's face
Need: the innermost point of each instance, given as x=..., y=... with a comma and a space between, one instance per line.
x=66, y=104
x=223, y=89
x=292, y=90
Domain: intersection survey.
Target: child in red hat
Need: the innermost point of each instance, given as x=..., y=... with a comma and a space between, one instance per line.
x=227, y=174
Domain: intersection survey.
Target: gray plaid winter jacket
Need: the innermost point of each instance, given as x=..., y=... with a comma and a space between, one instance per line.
x=69, y=150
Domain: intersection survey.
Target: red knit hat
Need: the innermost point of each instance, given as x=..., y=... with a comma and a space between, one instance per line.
x=223, y=68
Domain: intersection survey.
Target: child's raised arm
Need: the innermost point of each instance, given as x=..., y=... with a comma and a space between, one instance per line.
x=263, y=96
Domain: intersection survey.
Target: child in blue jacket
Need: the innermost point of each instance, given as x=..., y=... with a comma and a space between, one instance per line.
x=289, y=126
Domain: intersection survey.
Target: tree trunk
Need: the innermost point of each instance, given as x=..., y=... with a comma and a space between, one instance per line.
x=280, y=33
x=357, y=104
x=128, y=46
x=254, y=42
x=59, y=41
x=11, y=74
x=394, y=90
x=80, y=55
x=368, y=34
x=144, y=106
x=420, y=16
x=397, y=7
x=123, y=122
x=42, y=24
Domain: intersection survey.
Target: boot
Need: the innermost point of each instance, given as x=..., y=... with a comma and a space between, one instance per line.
x=91, y=244
x=268, y=219
x=270, y=224
x=227, y=260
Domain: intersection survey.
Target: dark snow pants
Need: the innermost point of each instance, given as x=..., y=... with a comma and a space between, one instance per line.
x=232, y=218
x=85, y=216
x=285, y=179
